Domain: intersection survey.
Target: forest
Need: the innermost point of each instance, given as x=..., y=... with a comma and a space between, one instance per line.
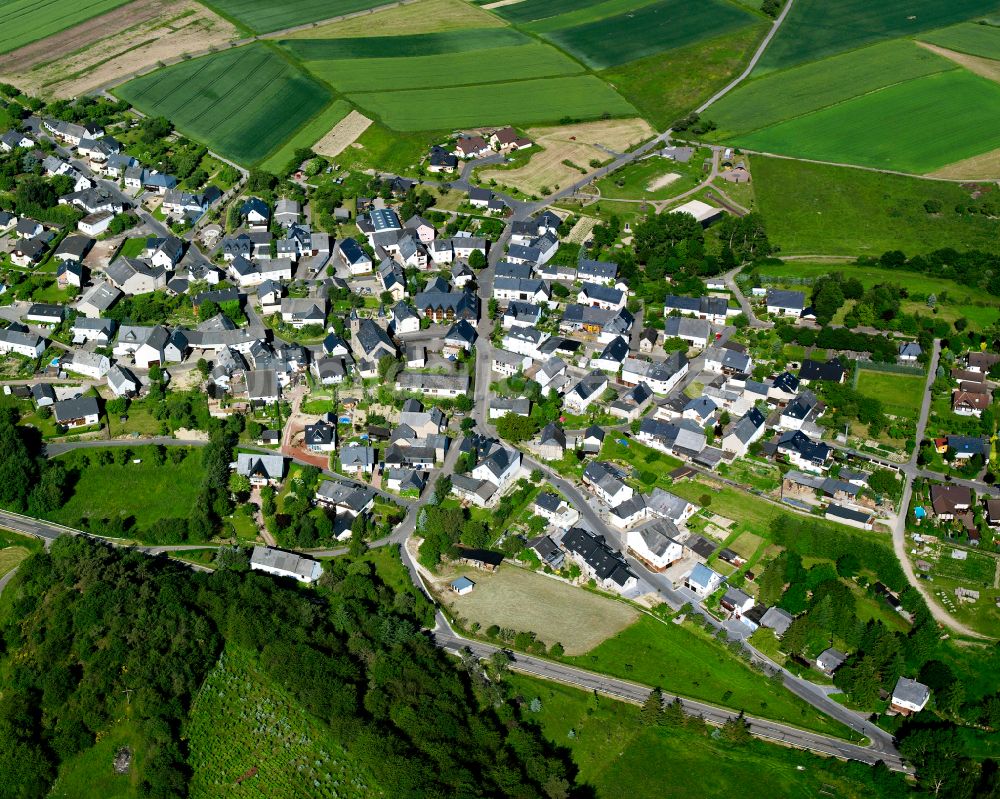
x=87, y=628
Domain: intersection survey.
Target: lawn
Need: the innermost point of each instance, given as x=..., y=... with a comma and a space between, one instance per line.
x=517, y=103
x=306, y=136
x=954, y=299
x=967, y=37
x=976, y=570
x=639, y=176
x=901, y=395
x=650, y=29
x=11, y=557
x=526, y=601
x=26, y=21
x=132, y=248
x=666, y=86
x=815, y=29
x=949, y=117
x=358, y=74
x=89, y=774
x=680, y=660
x=249, y=738
x=790, y=93
x=829, y=210
x=267, y=17
x=144, y=490
x=243, y=103
x=611, y=748
x=648, y=462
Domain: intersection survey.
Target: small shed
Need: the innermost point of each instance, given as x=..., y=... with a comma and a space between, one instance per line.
x=462, y=586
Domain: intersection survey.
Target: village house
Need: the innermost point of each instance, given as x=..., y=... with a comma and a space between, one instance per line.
x=655, y=545
x=909, y=696
x=285, y=564
x=702, y=581
x=80, y=411
x=598, y=561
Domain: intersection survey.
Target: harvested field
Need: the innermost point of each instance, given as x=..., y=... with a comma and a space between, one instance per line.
x=307, y=136
x=979, y=167
x=118, y=46
x=342, y=135
x=662, y=181
x=502, y=3
x=427, y=16
x=575, y=143
x=986, y=67
x=26, y=21
x=967, y=37
x=526, y=601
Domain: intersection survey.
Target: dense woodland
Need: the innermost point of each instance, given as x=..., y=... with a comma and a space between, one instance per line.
x=85, y=623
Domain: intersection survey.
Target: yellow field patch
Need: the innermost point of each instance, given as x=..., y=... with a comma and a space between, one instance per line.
x=114, y=47
x=979, y=167
x=577, y=144
x=343, y=134
x=424, y=16
x=984, y=67
x=525, y=601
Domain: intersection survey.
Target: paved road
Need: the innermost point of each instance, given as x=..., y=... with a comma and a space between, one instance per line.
x=910, y=471
x=730, y=278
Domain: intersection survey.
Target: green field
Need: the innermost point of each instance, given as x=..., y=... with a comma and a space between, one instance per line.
x=967, y=37
x=267, y=17
x=26, y=21
x=535, y=60
x=531, y=11
x=779, y=96
x=815, y=29
x=666, y=86
x=306, y=136
x=404, y=46
x=244, y=103
x=521, y=102
x=900, y=394
x=143, y=490
x=820, y=209
x=976, y=570
x=612, y=749
x=638, y=176
x=949, y=117
x=89, y=774
x=650, y=29
x=248, y=738
x=680, y=660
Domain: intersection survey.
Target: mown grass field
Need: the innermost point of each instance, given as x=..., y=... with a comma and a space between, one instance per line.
x=815, y=29
x=535, y=60
x=248, y=738
x=267, y=17
x=899, y=394
x=818, y=209
x=306, y=136
x=949, y=116
x=650, y=29
x=244, y=103
x=517, y=103
x=143, y=490
x=790, y=93
x=638, y=176
x=680, y=660
x=666, y=86
x=527, y=601
x=675, y=763
x=967, y=37
x=27, y=21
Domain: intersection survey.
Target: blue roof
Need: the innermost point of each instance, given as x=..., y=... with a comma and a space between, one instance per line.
x=461, y=583
x=701, y=575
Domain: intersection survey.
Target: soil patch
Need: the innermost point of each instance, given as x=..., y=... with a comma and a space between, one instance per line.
x=662, y=181
x=343, y=134
x=428, y=16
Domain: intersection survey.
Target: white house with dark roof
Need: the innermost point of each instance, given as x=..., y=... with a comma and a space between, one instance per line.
x=77, y=412
x=261, y=469
x=607, y=482
x=285, y=564
x=785, y=303
x=909, y=696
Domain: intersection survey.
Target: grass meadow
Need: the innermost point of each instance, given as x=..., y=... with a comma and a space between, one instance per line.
x=27, y=21
x=143, y=490
x=261, y=17
x=89, y=774
x=674, y=763
x=249, y=738
x=815, y=29
x=518, y=103
x=404, y=45
x=949, y=116
x=244, y=103
x=967, y=37
x=649, y=29
x=681, y=660
x=819, y=209
x=306, y=136
x=790, y=93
